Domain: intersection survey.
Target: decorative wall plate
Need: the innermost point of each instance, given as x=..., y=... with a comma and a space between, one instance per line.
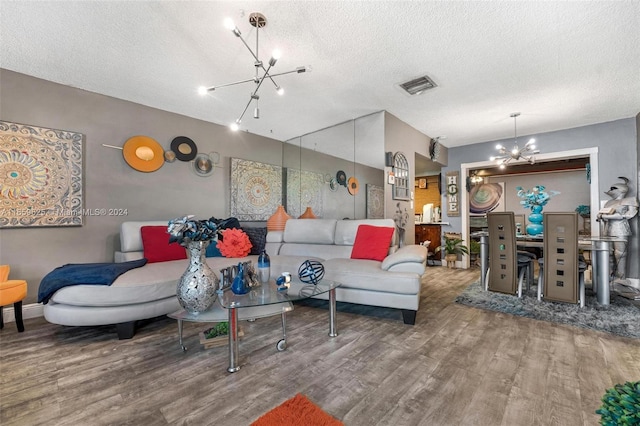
x=353, y=186
x=333, y=184
x=341, y=177
x=184, y=148
x=143, y=153
x=203, y=165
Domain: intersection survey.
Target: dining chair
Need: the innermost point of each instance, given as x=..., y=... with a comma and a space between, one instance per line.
x=520, y=219
x=12, y=291
x=507, y=268
x=561, y=277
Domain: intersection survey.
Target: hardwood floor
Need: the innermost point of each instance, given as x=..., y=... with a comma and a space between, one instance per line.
x=457, y=366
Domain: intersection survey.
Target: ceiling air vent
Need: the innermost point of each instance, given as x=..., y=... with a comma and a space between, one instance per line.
x=418, y=85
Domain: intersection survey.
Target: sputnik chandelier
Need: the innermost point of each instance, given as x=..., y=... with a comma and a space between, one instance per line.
x=527, y=152
x=257, y=20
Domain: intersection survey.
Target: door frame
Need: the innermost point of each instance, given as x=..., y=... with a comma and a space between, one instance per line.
x=592, y=153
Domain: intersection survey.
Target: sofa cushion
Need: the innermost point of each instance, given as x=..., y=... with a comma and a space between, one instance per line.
x=309, y=231
x=258, y=238
x=130, y=240
x=152, y=282
x=372, y=242
x=412, y=256
x=346, y=230
x=367, y=275
x=156, y=247
x=213, y=250
x=322, y=251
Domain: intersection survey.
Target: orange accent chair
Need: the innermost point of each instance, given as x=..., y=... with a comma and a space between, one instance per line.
x=12, y=291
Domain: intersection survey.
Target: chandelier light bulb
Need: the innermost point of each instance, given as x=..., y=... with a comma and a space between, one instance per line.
x=502, y=166
x=515, y=150
x=498, y=147
x=492, y=158
x=228, y=24
x=234, y=126
x=202, y=90
x=280, y=91
x=276, y=54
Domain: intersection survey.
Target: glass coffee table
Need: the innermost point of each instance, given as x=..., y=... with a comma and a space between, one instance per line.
x=262, y=301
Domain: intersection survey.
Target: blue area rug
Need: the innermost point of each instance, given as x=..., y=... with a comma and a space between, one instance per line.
x=621, y=317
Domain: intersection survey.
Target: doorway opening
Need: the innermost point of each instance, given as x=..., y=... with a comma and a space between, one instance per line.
x=588, y=155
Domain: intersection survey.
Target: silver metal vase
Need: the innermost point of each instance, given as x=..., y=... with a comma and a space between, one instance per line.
x=197, y=287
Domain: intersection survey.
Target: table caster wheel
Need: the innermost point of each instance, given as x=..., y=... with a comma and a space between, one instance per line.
x=184, y=348
x=281, y=345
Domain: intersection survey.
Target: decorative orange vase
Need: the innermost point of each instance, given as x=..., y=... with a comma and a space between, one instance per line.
x=308, y=214
x=277, y=221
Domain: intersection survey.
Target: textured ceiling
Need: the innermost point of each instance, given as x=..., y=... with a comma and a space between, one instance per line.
x=562, y=64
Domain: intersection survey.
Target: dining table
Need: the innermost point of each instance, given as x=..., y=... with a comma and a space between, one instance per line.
x=600, y=246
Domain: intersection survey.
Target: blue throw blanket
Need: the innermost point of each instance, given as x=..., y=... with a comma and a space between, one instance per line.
x=83, y=273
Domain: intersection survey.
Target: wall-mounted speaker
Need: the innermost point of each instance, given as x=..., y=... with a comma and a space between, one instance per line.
x=388, y=159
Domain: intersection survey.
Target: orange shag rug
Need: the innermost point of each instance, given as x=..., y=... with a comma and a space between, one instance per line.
x=297, y=411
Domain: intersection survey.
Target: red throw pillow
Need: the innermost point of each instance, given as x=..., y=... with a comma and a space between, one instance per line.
x=155, y=243
x=372, y=242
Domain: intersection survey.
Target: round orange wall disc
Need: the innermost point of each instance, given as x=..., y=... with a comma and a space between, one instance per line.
x=143, y=154
x=353, y=185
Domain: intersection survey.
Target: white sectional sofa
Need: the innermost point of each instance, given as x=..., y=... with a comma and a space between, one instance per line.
x=150, y=290
x=392, y=283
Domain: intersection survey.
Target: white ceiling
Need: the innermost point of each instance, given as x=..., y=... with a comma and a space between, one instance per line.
x=561, y=64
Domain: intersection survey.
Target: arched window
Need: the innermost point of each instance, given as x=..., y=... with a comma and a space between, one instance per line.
x=401, y=189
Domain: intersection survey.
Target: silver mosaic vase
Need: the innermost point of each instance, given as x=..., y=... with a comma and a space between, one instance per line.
x=197, y=287
x=400, y=237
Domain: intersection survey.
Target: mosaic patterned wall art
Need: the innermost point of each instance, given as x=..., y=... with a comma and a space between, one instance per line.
x=256, y=189
x=375, y=202
x=304, y=189
x=40, y=176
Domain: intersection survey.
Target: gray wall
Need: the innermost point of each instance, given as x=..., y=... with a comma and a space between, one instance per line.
x=617, y=143
x=108, y=181
x=399, y=136
x=171, y=191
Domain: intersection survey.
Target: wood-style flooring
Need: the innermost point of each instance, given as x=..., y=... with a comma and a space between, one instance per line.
x=457, y=366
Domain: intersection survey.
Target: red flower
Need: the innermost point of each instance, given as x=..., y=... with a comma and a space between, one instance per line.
x=234, y=243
